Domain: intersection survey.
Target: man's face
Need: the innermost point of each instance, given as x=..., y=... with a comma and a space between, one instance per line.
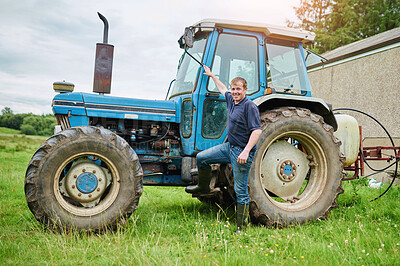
x=238, y=91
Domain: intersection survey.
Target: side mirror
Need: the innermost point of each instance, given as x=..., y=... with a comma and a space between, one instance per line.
x=188, y=37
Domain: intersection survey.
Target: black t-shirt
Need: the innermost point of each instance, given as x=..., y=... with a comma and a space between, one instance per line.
x=243, y=118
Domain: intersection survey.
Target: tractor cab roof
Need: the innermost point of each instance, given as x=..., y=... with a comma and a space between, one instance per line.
x=273, y=31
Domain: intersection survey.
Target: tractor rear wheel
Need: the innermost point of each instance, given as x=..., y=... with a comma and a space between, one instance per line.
x=297, y=171
x=85, y=178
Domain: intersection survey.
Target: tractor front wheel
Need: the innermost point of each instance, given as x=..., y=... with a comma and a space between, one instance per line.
x=85, y=178
x=297, y=171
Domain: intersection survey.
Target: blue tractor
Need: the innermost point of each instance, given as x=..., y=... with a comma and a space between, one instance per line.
x=90, y=174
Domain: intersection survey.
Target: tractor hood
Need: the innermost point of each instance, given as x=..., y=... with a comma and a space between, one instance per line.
x=93, y=105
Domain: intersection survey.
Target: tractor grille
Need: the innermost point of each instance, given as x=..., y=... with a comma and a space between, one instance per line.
x=63, y=121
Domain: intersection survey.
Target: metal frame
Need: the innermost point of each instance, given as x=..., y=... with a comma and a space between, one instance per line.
x=373, y=153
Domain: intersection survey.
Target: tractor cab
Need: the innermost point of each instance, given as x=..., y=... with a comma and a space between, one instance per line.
x=270, y=58
x=266, y=56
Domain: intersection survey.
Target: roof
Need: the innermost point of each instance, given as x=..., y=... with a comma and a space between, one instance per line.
x=269, y=30
x=371, y=43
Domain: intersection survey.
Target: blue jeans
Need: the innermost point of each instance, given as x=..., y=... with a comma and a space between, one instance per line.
x=227, y=153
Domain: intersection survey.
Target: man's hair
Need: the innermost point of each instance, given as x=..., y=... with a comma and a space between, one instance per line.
x=242, y=80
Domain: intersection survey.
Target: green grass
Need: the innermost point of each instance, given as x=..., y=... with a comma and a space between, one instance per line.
x=5, y=130
x=171, y=228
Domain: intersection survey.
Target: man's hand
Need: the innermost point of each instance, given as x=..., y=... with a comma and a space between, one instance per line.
x=255, y=135
x=207, y=71
x=221, y=87
x=243, y=157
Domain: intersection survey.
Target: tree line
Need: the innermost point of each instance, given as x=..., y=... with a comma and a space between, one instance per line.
x=340, y=22
x=28, y=124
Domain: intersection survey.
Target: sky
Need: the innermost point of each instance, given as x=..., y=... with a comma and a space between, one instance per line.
x=43, y=41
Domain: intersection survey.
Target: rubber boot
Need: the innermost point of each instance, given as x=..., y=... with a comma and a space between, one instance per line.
x=203, y=185
x=242, y=215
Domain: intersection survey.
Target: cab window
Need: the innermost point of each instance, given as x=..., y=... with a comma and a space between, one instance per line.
x=236, y=56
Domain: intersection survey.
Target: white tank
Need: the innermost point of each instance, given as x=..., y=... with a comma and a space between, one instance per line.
x=349, y=134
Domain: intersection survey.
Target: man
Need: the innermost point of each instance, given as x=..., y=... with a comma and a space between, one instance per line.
x=244, y=129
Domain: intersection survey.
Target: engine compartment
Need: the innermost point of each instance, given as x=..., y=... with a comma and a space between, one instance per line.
x=156, y=143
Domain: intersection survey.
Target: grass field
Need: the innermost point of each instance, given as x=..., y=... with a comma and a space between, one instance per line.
x=171, y=228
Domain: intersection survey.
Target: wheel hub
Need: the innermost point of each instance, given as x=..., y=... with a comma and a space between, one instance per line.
x=287, y=170
x=284, y=168
x=85, y=182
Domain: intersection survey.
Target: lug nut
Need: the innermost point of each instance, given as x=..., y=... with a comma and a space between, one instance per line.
x=60, y=184
x=73, y=186
x=94, y=171
x=98, y=189
x=83, y=170
x=90, y=195
x=99, y=179
x=312, y=164
x=79, y=194
x=75, y=176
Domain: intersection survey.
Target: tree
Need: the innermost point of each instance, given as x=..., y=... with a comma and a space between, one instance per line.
x=29, y=124
x=11, y=120
x=312, y=13
x=42, y=125
x=340, y=22
x=28, y=130
x=6, y=110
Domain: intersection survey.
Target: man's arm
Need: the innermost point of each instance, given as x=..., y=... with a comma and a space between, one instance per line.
x=221, y=87
x=254, y=136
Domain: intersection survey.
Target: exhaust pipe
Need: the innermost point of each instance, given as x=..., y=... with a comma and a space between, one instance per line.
x=103, y=62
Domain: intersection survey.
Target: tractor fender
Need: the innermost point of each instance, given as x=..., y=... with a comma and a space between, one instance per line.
x=315, y=105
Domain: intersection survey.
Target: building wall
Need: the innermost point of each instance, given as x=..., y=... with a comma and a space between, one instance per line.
x=370, y=84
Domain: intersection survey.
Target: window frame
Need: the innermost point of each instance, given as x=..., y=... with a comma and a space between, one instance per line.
x=198, y=71
x=287, y=43
x=257, y=62
x=191, y=118
x=203, y=116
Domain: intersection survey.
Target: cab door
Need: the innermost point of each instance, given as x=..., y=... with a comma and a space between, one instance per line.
x=236, y=54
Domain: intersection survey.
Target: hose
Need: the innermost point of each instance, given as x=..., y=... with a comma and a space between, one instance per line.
x=381, y=170
x=151, y=140
x=391, y=141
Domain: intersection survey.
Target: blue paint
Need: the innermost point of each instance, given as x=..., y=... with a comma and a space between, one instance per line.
x=85, y=104
x=76, y=121
x=304, y=77
x=288, y=170
x=161, y=179
x=95, y=160
x=86, y=183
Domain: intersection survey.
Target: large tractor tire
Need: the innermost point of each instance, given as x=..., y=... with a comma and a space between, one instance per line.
x=84, y=178
x=297, y=172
